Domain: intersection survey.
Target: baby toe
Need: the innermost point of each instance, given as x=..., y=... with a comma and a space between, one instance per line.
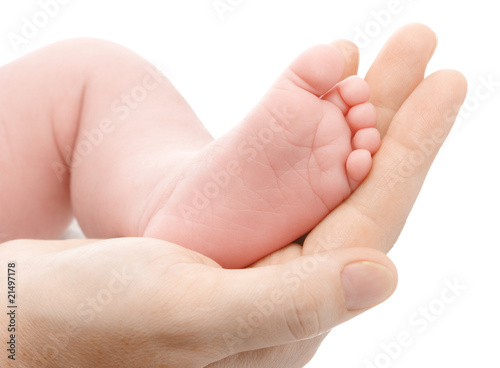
x=361, y=116
x=367, y=139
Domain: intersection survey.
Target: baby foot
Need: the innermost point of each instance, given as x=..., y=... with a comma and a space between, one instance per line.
x=303, y=150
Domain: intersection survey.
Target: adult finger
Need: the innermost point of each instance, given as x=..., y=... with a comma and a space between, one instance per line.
x=398, y=70
x=375, y=214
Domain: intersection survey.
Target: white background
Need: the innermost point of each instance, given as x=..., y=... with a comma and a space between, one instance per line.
x=222, y=67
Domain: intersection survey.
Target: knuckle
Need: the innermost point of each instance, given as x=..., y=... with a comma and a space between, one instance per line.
x=302, y=318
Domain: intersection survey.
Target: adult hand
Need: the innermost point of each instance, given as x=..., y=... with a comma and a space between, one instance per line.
x=414, y=117
x=136, y=302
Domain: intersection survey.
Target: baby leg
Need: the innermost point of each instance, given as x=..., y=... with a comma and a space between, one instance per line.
x=83, y=114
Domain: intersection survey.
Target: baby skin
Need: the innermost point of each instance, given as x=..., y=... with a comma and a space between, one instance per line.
x=90, y=129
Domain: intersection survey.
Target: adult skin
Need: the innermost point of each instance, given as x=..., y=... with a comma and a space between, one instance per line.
x=135, y=302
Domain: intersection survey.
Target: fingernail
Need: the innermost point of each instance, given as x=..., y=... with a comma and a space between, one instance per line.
x=366, y=284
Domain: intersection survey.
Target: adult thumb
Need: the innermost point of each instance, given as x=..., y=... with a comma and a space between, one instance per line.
x=281, y=304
